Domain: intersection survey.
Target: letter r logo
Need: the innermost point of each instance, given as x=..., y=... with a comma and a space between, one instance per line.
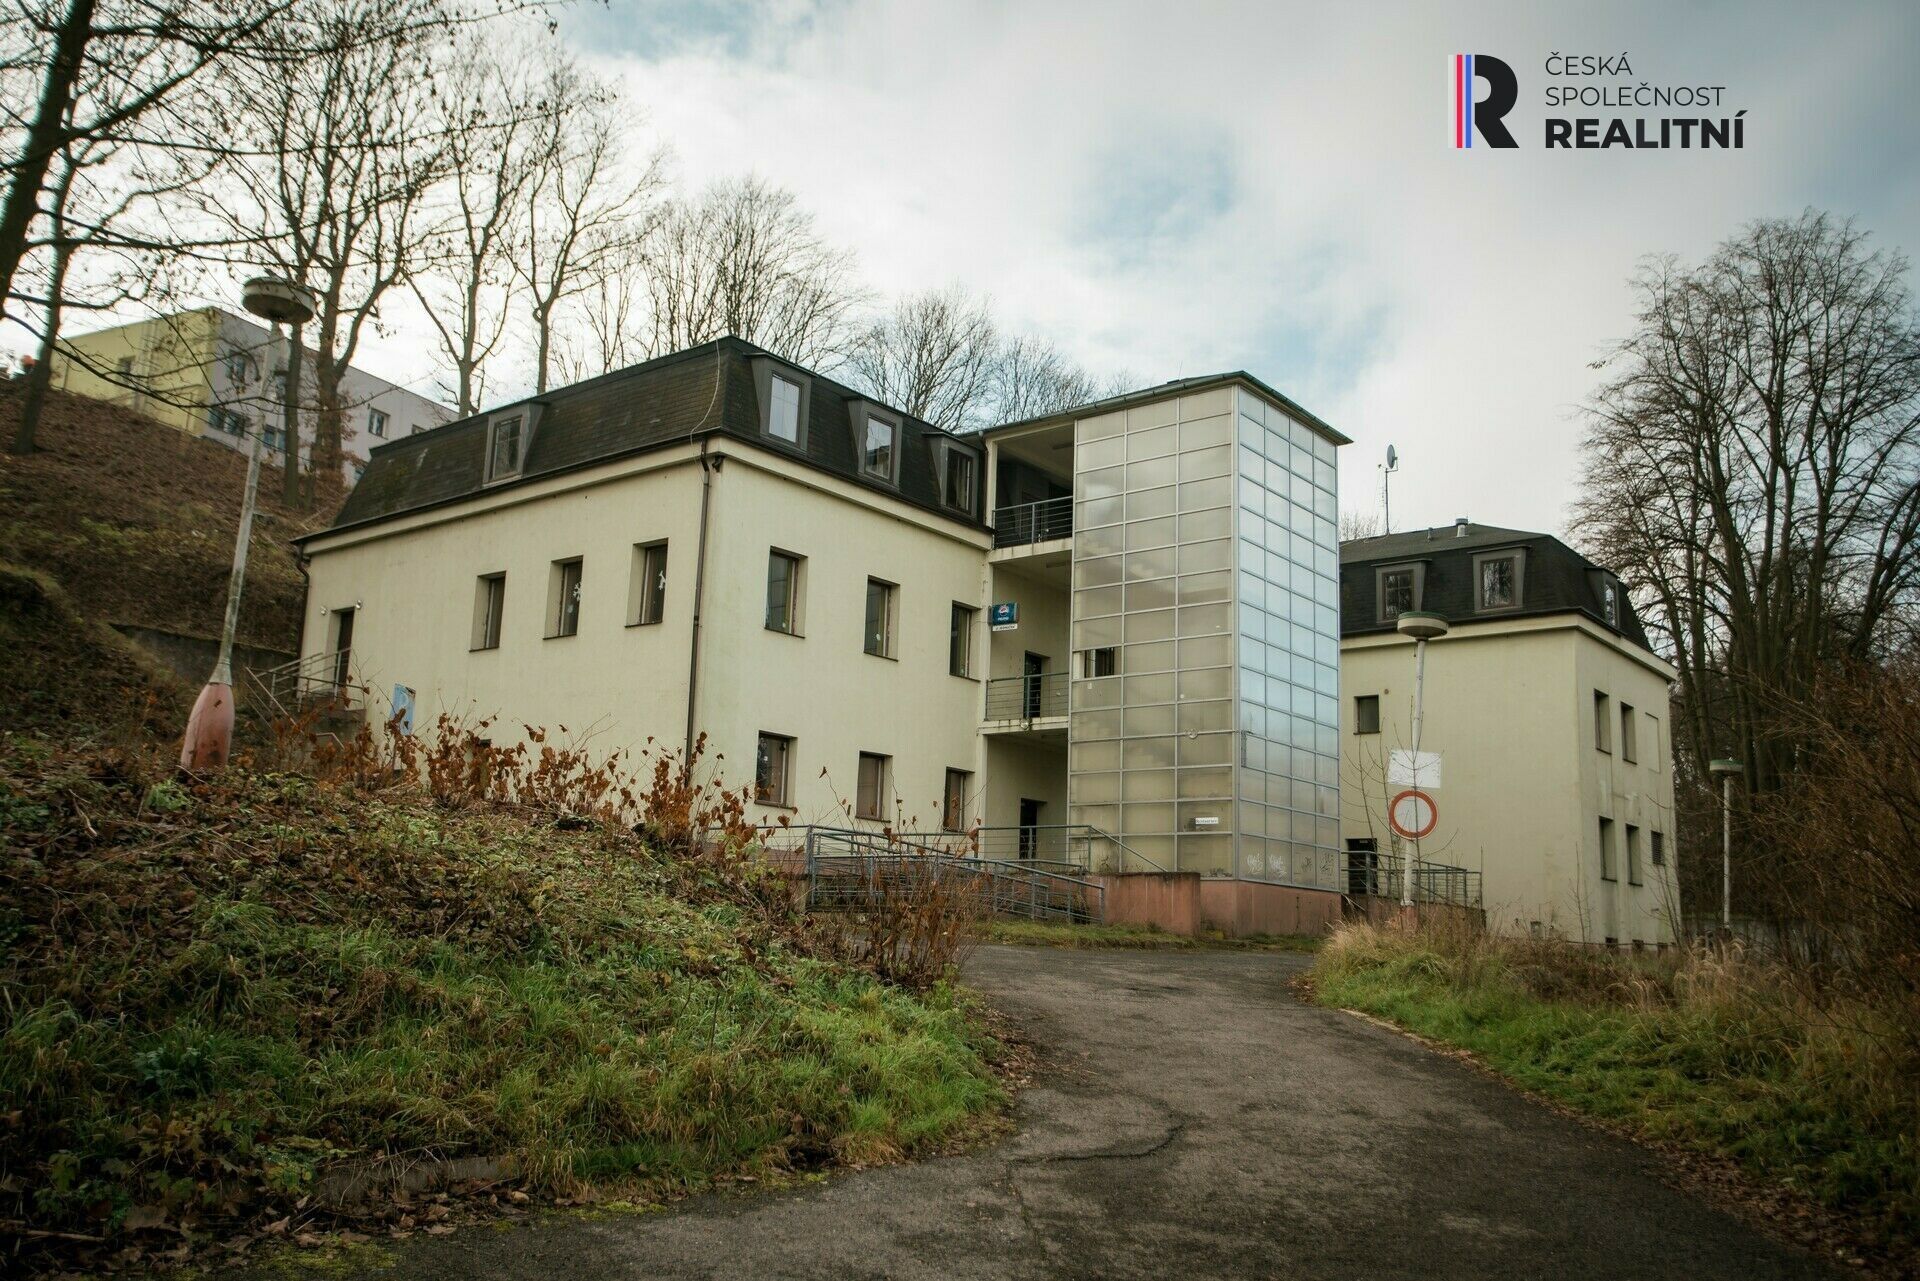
x=1503, y=90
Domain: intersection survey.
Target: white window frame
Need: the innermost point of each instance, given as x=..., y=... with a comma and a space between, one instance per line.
x=377, y=422
x=647, y=592
x=519, y=418
x=874, y=807
x=889, y=614
x=890, y=472
x=777, y=381
x=778, y=792
x=489, y=611
x=796, y=593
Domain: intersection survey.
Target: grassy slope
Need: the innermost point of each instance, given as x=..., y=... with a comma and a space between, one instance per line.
x=65, y=673
x=1748, y=1073
x=216, y=996
x=136, y=522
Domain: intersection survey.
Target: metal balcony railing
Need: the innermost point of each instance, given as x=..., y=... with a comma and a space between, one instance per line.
x=1040, y=522
x=1027, y=698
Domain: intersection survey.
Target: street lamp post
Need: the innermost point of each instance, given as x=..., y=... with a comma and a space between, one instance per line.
x=1423, y=627
x=1725, y=769
x=209, y=737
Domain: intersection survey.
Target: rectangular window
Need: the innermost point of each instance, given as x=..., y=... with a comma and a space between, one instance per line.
x=1366, y=714
x=953, y=804
x=503, y=453
x=880, y=602
x=1602, y=722
x=563, y=601
x=783, y=415
x=1499, y=582
x=1629, y=734
x=1610, y=602
x=783, y=593
x=489, y=607
x=1606, y=850
x=870, y=798
x=226, y=421
x=237, y=368
x=876, y=454
x=771, y=767
x=960, y=640
x=1396, y=593
x=1633, y=855
x=1100, y=662
x=959, y=480
x=648, y=593
x=377, y=422
x=1658, y=849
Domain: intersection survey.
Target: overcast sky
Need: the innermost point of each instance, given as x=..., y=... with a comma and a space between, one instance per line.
x=1175, y=189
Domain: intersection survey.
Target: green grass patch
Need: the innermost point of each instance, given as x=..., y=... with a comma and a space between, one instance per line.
x=1142, y=937
x=216, y=995
x=1723, y=1057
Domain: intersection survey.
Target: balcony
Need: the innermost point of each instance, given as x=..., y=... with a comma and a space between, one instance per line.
x=1025, y=523
x=1027, y=698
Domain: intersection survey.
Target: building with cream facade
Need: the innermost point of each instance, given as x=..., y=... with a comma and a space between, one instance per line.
x=1548, y=711
x=213, y=374
x=1118, y=620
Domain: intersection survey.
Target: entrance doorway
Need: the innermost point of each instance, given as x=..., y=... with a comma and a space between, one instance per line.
x=1033, y=668
x=1030, y=827
x=342, y=644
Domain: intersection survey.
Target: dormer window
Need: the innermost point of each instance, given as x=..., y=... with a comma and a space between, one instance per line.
x=957, y=467
x=880, y=447
x=783, y=410
x=1398, y=589
x=1610, y=602
x=957, y=486
x=506, y=445
x=1499, y=580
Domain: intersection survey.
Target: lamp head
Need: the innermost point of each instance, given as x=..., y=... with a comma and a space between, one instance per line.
x=1421, y=625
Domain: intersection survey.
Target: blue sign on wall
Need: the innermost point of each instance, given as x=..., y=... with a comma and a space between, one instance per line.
x=1004, y=616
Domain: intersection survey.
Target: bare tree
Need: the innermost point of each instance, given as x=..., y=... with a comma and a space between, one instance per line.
x=119, y=71
x=588, y=206
x=333, y=161
x=604, y=328
x=1357, y=524
x=936, y=355
x=494, y=114
x=742, y=258
x=1032, y=378
x=1753, y=471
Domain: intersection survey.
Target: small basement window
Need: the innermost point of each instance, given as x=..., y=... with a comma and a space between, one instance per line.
x=1366, y=714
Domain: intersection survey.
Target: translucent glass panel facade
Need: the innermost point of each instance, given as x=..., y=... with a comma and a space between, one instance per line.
x=1287, y=649
x=1151, y=753
x=1205, y=579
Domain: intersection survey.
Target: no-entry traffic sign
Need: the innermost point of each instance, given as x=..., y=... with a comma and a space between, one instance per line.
x=1412, y=813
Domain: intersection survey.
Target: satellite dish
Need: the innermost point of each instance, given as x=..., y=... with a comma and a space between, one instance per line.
x=1393, y=458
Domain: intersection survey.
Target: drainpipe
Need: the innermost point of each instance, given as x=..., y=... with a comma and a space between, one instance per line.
x=708, y=467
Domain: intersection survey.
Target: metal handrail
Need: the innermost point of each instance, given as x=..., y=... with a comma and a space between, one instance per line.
x=1027, y=698
x=1384, y=876
x=283, y=690
x=844, y=868
x=1021, y=523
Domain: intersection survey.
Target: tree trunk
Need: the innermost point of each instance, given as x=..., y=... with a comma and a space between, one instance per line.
x=42, y=376
x=290, y=491
x=44, y=139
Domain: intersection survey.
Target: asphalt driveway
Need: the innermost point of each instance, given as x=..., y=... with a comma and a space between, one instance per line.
x=1190, y=1118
